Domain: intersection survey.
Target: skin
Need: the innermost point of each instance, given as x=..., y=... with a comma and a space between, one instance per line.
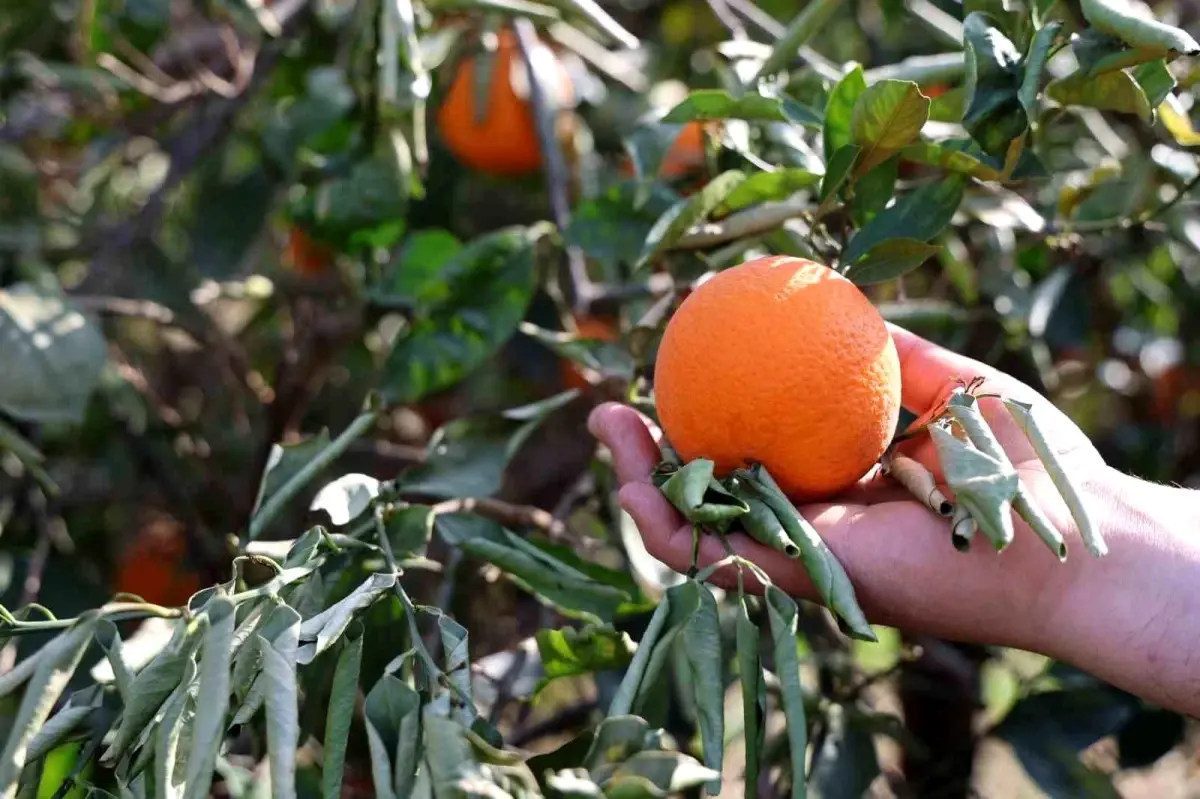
x=1131, y=618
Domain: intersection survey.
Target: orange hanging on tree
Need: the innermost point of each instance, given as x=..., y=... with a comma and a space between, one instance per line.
x=783, y=362
x=304, y=254
x=502, y=137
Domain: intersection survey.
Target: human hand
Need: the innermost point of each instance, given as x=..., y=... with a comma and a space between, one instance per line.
x=1132, y=618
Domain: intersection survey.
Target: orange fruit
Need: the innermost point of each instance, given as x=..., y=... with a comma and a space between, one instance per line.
x=684, y=157
x=503, y=140
x=780, y=361
x=154, y=566
x=304, y=254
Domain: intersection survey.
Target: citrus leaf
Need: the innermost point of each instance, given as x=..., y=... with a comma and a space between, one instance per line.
x=212, y=697
x=699, y=497
x=285, y=462
x=457, y=665
x=708, y=104
x=635, y=676
x=78, y=708
x=761, y=523
x=612, y=226
x=1156, y=81
x=919, y=215
x=346, y=498
x=782, y=613
x=342, y=699
x=888, y=116
x=768, y=186
x=177, y=712
x=1177, y=122
x=278, y=639
x=322, y=631
x=890, y=259
x=985, y=485
x=754, y=696
x=702, y=648
x=954, y=156
x=45, y=685
x=109, y=639
x=1132, y=22
x=679, y=218
x=388, y=704
x=568, y=651
x=1108, y=91
x=829, y=577
x=994, y=115
x=493, y=281
x=839, y=113
x=51, y=355
x=667, y=772
x=1035, y=64
x=838, y=170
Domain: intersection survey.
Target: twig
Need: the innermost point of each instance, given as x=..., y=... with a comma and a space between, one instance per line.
x=505, y=513
x=752, y=221
x=34, y=569
x=774, y=29
x=545, y=115
x=614, y=65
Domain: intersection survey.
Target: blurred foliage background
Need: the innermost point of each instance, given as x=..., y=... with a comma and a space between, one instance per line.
x=227, y=225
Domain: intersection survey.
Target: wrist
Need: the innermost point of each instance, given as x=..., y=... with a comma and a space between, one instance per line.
x=1132, y=618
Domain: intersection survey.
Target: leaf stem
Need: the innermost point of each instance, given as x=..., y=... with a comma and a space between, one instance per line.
x=300, y=479
x=118, y=611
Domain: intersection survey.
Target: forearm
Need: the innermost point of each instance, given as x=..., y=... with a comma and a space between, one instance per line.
x=1133, y=617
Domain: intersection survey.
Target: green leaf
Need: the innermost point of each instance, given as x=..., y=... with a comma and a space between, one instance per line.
x=285, y=462
x=212, y=698
x=890, y=259
x=636, y=675
x=457, y=666
x=346, y=498
x=278, y=640
x=829, y=577
x=667, y=772
x=492, y=282
x=169, y=741
x=609, y=358
x=846, y=764
x=1035, y=64
x=413, y=277
x=1133, y=23
x=80, y=707
x=546, y=577
x=782, y=613
x=1098, y=52
x=700, y=497
x=677, y=220
x=702, y=648
x=1109, y=91
x=46, y=684
x=994, y=115
x=322, y=631
x=839, y=113
x=1156, y=82
x=109, y=639
x=754, y=696
x=985, y=485
x=150, y=688
x=888, y=116
x=761, y=523
x=568, y=651
x=838, y=170
x=920, y=215
x=342, y=699
x=874, y=190
x=408, y=529
x=954, y=155
x=612, y=226
x=764, y=187
x=388, y=704
x=708, y=104
x=949, y=106
x=619, y=736
x=51, y=355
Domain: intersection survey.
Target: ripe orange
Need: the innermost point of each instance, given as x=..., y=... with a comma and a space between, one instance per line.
x=154, y=566
x=304, y=254
x=784, y=362
x=503, y=139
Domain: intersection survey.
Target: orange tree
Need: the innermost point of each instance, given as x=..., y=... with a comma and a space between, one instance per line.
x=303, y=306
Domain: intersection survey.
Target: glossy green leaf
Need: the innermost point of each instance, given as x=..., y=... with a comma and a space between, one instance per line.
x=920, y=215
x=492, y=282
x=697, y=494
x=874, y=190
x=1156, y=81
x=839, y=113
x=1109, y=91
x=322, y=631
x=702, y=648
x=342, y=700
x=408, y=528
x=1035, y=64
x=569, y=651
x=45, y=685
x=612, y=226
x=994, y=115
x=677, y=220
x=954, y=155
x=887, y=116
x=768, y=186
x=829, y=577
x=889, y=260
x=413, y=277
x=1133, y=23
x=782, y=613
x=838, y=170
x=709, y=104
x=52, y=355
x=465, y=457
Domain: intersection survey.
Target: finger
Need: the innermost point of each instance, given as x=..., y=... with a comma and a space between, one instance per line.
x=625, y=433
x=928, y=372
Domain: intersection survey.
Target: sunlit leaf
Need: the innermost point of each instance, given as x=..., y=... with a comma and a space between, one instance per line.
x=676, y=221
x=839, y=111
x=920, y=215
x=569, y=651
x=886, y=117
x=1109, y=91
x=890, y=259
x=768, y=186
